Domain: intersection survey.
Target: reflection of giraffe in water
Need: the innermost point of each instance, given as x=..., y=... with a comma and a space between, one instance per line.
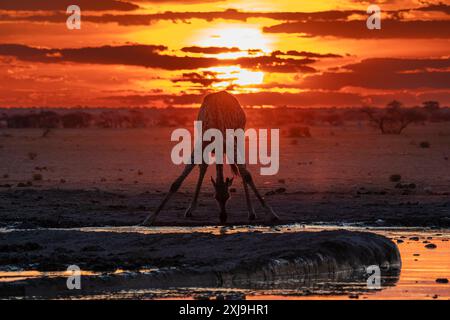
x=219, y=111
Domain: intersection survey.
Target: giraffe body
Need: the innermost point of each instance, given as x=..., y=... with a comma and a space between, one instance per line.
x=221, y=111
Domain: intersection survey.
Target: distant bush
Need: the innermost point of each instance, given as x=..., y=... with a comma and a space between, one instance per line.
x=395, y=178
x=76, y=120
x=37, y=177
x=44, y=119
x=333, y=119
x=32, y=155
x=112, y=119
x=299, y=132
x=425, y=145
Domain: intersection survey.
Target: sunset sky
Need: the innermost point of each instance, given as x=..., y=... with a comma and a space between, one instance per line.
x=160, y=53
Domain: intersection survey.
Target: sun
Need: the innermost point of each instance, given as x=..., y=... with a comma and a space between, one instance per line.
x=234, y=75
x=251, y=42
x=234, y=35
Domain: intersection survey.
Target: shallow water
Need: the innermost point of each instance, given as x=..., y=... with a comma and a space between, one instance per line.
x=417, y=280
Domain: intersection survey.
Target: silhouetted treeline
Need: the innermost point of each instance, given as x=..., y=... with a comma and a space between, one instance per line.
x=395, y=117
x=256, y=117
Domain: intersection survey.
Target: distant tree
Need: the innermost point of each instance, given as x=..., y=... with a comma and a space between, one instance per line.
x=137, y=119
x=76, y=119
x=44, y=119
x=394, y=118
x=431, y=106
x=394, y=105
x=333, y=119
x=48, y=120
x=113, y=119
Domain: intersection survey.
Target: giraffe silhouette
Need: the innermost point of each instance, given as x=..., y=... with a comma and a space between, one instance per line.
x=219, y=111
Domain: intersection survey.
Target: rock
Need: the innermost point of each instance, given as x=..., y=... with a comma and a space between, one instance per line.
x=37, y=177
x=425, y=145
x=414, y=238
x=431, y=246
x=353, y=296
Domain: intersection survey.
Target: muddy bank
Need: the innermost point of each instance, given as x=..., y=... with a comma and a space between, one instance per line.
x=68, y=208
x=197, y=259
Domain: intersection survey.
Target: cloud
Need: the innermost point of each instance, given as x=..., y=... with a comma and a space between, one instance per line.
x=210, y=50
x=440, y=7
x=396, y=65
x=150, y=56
x=177, y=1
x=56, y=12
x=131, y=19
x=205, y=78
x=138, y=55
x=61, y=5
x=275, y=64
x=305, y=54
x=357, y=29
x=386, y=74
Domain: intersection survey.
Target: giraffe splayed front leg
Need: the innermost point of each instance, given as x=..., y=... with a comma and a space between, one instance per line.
x=190, y=210
x=248, y=179
x=150, y=219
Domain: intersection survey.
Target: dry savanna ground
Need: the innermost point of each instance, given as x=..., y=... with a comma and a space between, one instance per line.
x=97, y=177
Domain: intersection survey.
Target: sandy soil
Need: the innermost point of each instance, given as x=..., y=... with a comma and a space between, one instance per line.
x=97, y=177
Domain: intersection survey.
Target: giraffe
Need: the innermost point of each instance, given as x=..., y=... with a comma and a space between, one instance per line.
x=219, y=111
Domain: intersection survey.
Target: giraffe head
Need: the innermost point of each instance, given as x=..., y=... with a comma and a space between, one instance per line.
x=222, y=194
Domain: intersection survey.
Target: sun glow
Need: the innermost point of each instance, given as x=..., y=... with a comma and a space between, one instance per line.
x=234, y=75
x=248, y=39
x=243, y=37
